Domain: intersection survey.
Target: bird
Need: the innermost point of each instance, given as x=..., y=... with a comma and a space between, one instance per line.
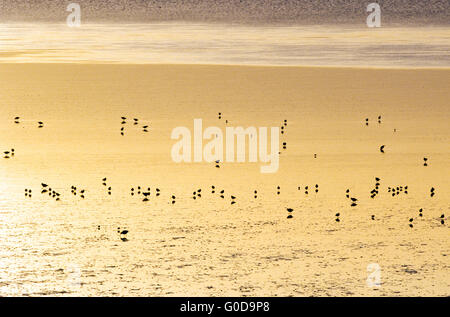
x=382, y=148
x=289, y=209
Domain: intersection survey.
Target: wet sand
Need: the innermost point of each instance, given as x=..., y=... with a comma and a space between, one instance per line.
x=207, y=246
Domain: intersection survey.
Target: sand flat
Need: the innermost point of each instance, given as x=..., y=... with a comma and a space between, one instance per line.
x=208, y=246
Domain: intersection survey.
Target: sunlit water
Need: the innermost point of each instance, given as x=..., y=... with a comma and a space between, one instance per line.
x=195, y=43
x=208, y=246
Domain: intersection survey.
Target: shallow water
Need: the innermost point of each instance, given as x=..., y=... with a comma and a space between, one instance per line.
x=209, y=43
x=207, y=246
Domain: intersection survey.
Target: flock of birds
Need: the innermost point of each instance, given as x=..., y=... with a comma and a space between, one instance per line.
x=73, y=190
x=8, y=154
x=307, y=189
x=379, y=120
x=144, y=193
x=411, y=220
x=108, y=188
x=144, y=127
x=283, y=129
x=17, y=120
x=46, y=189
